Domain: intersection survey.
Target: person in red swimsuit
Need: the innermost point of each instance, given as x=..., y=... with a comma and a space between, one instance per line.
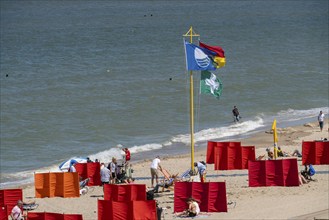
x=127, y=152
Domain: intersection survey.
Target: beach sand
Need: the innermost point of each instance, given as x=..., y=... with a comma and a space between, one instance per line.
x=308, y=201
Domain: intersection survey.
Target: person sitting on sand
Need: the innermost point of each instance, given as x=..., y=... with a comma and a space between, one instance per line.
x=193, y=209
x=260, y=157
x=296, y=153
x=83, y=182
x=281, y=153
x=302, y=179
x=308, y=172
x=83, y=186
x=17, y=211
x=129, y=180
x=270, y=154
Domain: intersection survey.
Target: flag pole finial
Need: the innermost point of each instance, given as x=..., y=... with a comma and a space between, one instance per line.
x=190, y=33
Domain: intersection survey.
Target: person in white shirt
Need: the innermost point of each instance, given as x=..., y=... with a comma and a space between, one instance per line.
x=321, y=120
x=154, y=170
x=105, y=174
x=72, y=167
x=16, y=212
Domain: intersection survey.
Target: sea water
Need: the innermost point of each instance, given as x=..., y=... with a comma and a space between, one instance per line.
x=79, y=78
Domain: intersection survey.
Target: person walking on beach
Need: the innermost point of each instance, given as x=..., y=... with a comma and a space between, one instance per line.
x=154, y=170
x=321, y=120
x=236, y=114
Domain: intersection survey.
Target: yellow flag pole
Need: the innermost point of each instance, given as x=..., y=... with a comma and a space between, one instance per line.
x=275, y=139
x=191, y=34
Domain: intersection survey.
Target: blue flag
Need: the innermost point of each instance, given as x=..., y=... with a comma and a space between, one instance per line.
x=197, y=59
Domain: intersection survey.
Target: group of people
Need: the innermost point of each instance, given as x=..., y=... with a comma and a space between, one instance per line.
x=155, y=166
x=280, y=153
x=114, y=173
x=193, y=205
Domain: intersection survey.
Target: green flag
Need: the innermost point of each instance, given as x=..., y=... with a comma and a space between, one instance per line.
x=210, y=84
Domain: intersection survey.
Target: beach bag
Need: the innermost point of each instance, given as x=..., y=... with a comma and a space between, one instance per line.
x=311, y=170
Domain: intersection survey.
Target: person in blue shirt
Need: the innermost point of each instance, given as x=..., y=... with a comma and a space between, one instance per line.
x=202, y=170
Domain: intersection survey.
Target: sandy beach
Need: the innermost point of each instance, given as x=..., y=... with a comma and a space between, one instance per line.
x=309, y=201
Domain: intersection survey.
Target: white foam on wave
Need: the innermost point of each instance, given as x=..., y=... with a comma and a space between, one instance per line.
x=24, y=177
x=221, y=132
x=295, y=115
x=106, y=156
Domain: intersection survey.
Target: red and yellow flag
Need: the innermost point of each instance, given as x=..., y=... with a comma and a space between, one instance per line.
x=216, y=52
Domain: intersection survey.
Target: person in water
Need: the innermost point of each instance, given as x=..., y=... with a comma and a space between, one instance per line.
x=236, y=114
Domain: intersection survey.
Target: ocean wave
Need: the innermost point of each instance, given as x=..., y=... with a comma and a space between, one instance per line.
x=296, y=115
x=221, y=132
